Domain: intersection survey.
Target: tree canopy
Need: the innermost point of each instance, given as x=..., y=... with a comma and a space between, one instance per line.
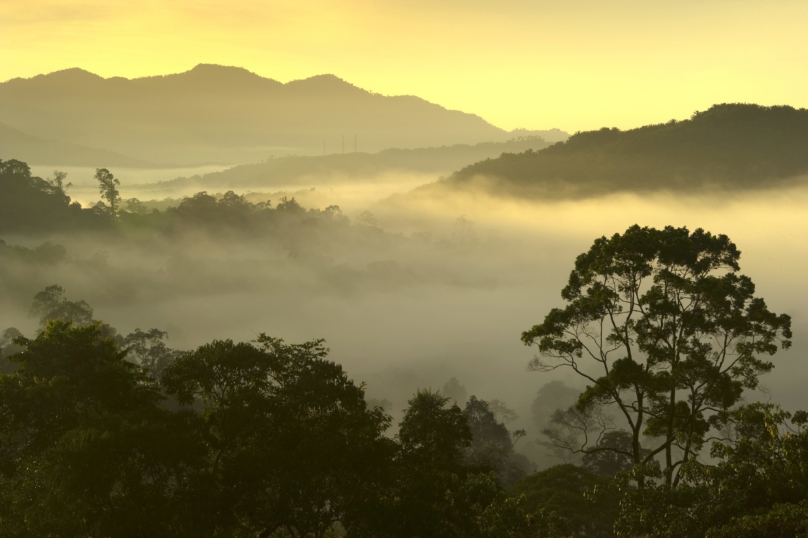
x=667, y=333
x=105, y=435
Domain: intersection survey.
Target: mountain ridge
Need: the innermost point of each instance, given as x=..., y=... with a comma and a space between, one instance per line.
x=228, y=114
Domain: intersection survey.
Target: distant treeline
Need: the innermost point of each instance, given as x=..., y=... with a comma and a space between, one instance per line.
x=29, y=204
x=729, y=146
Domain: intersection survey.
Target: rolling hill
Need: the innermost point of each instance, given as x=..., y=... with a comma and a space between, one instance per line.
x=729, y=146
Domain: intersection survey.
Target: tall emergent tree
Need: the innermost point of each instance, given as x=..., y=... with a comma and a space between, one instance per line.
x=666, y=332
x=108, y=187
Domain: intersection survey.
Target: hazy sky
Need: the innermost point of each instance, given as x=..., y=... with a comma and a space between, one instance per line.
x=573, y=64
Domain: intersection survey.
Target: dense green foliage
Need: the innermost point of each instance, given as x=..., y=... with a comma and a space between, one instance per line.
x=104, y=435
x=759, y=487
x=563, y=491
x=729, y=146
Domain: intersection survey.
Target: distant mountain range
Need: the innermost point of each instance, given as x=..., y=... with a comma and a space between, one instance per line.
x=15, y=144
x=728, y=147
x=216, y=114
x=302, y=171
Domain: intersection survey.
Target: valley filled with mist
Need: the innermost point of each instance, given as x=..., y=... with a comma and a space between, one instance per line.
x=420, y=257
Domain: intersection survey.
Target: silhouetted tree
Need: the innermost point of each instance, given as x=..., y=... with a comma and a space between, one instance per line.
x=148, y=349
x=108, y=187
x=50, y=304
x=434, y=433
x=291, y=442
x=454, y=390
x=492, y=444
x=666, y=331
x=133, y=205
x=57, y=183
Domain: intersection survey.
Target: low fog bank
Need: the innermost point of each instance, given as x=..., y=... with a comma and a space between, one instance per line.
x=353, y=176
x=408, y=291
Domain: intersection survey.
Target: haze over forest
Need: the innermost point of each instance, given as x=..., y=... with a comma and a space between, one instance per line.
x=220, y=210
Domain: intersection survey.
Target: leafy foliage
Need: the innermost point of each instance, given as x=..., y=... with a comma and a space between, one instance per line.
x=86, y=449
x=562, y=490
x=755, y=489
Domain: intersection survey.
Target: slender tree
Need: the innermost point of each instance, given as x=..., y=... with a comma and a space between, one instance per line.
x=108, y=187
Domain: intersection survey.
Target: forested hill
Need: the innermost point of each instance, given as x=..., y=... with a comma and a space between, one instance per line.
x=229, y=115
x=729, y=146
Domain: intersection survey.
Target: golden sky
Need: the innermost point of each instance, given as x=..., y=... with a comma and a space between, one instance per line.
x=572, y=64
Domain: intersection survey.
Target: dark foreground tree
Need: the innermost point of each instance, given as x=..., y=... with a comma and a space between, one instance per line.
x=85, y=449
x=291, y=444
x=566, y=492
x=667, y=333
x=440, y=491
x=433, y=438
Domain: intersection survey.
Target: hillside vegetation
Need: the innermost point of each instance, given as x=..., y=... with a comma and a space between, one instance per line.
x=729, y=146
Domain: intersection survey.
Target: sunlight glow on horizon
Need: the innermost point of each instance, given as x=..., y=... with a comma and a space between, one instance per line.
x=533, y=64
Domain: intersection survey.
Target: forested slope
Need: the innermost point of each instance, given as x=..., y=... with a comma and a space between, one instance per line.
x=729, y=146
